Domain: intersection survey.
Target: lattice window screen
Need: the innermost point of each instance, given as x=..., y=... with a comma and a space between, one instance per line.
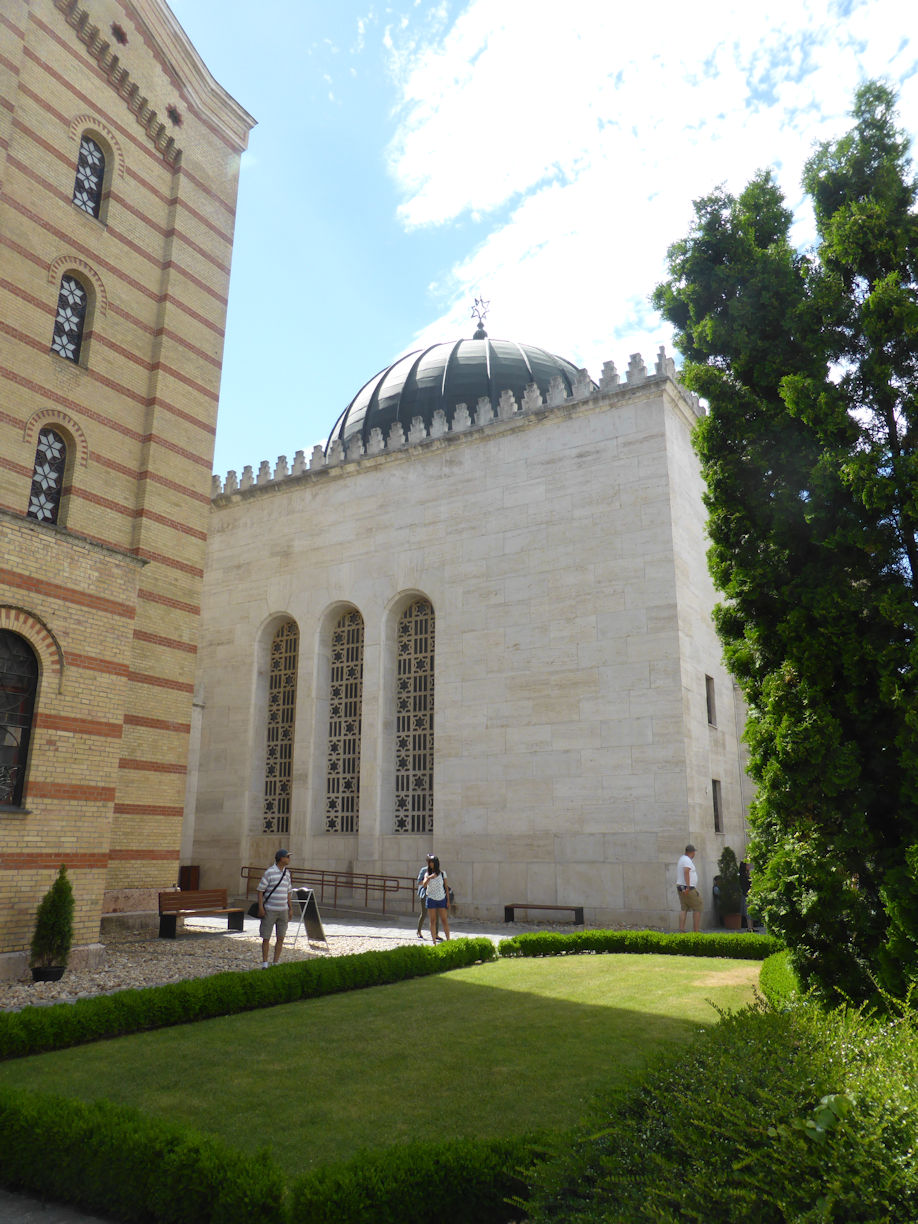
x=414, y=720
x=281, y=722
x=90, y=177
x=47, y=477
x=342, y=784
x=18, y=686
x=67, y=338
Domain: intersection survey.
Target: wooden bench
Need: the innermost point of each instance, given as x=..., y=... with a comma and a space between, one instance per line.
x=576, y=911
x=199, y=903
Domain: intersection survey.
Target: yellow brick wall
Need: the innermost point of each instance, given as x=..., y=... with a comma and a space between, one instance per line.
x=138, y=413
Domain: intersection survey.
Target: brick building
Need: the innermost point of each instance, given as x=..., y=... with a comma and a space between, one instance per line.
x=119, y=160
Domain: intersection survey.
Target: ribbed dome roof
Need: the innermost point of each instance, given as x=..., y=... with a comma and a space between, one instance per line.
x=444, y=375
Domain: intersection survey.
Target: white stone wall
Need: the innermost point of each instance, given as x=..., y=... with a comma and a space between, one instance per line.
x=562, y=549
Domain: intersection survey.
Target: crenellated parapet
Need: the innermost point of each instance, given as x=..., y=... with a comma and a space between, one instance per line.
x=464, y=419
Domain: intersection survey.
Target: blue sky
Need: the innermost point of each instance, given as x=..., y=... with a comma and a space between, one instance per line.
x=411, y=156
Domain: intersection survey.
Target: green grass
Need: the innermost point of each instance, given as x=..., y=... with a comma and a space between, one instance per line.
x=495, y=1049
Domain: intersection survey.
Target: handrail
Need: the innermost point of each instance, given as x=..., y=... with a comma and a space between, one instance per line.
x=320, y=878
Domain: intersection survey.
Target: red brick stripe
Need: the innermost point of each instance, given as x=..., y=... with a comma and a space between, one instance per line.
x=170, y=643
x=79, y=726
x=156, y=724
x=168, y=602
x=140, y=856
x=73, y=862
x=93, y=663
x=71, y=790
x=151, y=766
x=41, y=586
x=144, y=809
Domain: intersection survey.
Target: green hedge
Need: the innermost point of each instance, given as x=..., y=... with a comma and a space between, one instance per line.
x=777, y=980
x=35, y=1030
x=550, y=943
x=462, y=1182
x=109, y=1159
x=797, y=1116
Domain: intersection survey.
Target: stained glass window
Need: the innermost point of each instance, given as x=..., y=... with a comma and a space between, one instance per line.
x=71, y=315
x=281, y=721
x=48, y=477
x=414, y=720
x=90, y=176
x=18, y=685
x=342, y=786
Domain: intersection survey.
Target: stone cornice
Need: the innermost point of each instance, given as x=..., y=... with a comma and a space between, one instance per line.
x=465, y=423
x=179, y=60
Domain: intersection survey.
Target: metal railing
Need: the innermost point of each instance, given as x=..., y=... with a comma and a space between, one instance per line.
x=353, y=883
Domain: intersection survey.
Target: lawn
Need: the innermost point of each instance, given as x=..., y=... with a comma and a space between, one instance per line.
x=495, y=1049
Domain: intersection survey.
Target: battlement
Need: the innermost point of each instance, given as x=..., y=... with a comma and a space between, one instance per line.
x=483, y=414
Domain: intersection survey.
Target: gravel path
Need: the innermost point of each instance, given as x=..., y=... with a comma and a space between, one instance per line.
x=206, y=947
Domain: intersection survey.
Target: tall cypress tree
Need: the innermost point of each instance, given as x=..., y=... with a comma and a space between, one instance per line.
x=809, y=364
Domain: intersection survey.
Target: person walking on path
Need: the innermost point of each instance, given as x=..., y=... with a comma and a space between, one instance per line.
x=686, y=884
x=275, y=906
x=422, y=894
x=437, y=890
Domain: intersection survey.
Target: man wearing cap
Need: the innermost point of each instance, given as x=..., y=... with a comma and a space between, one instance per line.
x=274, y=905
x=687, y=886
x=422, y=894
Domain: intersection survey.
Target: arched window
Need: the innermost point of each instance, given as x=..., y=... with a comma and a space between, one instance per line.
x=345, y=697
x=90, y=177
x=281, y=720
x=48, y=477
x=414, y=720
x=71, y=316
x=18, y=685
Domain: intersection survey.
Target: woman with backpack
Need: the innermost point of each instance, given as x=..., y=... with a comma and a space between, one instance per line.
x=437, y=892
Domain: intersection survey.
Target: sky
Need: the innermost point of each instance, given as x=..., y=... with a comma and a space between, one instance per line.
x=410, y=157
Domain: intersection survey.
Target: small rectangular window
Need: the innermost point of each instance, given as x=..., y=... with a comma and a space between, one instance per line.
x=718, y=806
x=709, y=694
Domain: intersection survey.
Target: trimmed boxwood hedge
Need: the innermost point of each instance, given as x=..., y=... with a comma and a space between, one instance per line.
x=462, y=1181
x=110, y=1159
x=555, y=943
x=777, y=980
x=35, y=1030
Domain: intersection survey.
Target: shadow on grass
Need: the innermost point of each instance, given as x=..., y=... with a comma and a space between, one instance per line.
x=493, y=1050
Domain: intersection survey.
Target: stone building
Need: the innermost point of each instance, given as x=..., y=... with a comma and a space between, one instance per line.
x=119, y=158
x=479, y=619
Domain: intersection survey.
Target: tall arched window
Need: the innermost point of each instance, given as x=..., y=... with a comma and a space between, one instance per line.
x=90, y=177
x=345, y=697
x=18, y=685
x=48, y=477
x=414, y=720
x=72, y=300
x=281, y=721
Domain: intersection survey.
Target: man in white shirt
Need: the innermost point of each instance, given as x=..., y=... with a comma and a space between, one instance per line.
x=275, y=906
x=687, y=886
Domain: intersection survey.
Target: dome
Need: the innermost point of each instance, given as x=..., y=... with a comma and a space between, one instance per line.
x=444, y=375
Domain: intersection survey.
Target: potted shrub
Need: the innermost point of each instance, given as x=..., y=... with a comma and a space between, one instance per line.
x=53, y=933
x=731, y=895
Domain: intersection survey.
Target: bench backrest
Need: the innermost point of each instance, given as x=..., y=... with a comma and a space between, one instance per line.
x=202, y=898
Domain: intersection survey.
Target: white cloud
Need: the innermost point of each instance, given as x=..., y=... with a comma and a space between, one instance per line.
x=587, y=129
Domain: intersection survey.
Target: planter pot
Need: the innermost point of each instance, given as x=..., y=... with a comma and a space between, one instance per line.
x=47, y=973
x=732, y=921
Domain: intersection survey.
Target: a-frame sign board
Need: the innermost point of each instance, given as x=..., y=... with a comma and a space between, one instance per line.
x=309, y=914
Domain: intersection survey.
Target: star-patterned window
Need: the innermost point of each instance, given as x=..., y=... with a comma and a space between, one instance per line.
x=90, y=177
x=48, y=477
x=345, y=698
x=281, y=721
x=18, y=686
x=414, y=720
x=71, y=316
